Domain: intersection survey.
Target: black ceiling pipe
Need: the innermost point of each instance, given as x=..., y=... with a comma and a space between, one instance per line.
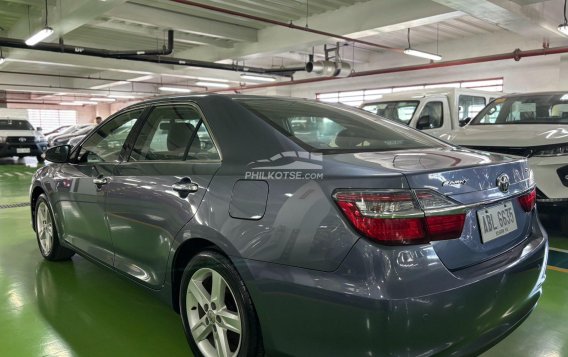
x=168, y=50
x=145, y=57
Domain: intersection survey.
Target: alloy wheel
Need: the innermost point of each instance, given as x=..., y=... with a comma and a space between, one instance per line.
x=44, y=226
x=213, y=315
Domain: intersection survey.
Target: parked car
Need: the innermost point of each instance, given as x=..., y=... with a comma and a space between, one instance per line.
x=19, y=138
x=535, y=126
x=70, y=130
x=57, y=131
x=436, y=111
x=377, y=240
x=64, y=138
x=75, y=140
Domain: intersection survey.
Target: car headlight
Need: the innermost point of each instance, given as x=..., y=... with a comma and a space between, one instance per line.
x=2, y=139
x=552, y=151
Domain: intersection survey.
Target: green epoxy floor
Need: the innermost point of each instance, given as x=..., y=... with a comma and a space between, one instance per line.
x=79, y=309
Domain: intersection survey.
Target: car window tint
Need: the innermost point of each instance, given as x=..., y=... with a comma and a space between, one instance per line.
x=327, y=128
x=435, y=113
x=173, y=133
x=107, y=142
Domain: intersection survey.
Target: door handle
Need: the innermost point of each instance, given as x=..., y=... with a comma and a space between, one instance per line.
x=184, y=187
x=99, y=181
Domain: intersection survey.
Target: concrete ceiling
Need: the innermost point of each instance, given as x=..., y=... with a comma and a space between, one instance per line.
x=206, y=35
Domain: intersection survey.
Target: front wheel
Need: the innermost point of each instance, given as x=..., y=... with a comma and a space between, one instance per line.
x=46, y=233
x=218, y=316
x=40, y=158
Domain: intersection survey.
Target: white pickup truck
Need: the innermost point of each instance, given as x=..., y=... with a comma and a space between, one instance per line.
x=435, y=111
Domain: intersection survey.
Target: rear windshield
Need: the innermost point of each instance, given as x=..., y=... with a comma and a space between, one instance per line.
x=328, y=128
x=533, y=109
x=401, y=111
x=15, y=125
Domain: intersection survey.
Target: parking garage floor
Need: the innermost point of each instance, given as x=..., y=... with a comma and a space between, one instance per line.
x=79, y=309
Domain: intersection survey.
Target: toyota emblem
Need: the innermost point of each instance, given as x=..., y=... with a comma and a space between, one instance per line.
x=22, y=140
x=503, y=182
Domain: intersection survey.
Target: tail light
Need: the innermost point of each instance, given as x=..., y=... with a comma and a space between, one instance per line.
x=400, y=217
x=528, y=200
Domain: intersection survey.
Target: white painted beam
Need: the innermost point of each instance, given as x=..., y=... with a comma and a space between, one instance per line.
x=355, y=19
x=154, y=32
x=509, y=15
x=152, y=16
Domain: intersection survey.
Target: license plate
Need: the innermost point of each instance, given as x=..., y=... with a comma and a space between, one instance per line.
x=496, y=221
x=22, y=150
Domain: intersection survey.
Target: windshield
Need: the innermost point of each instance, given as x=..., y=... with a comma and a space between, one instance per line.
x=15, y=125
x=530, y=109
x=401, y=111
x=326, y=128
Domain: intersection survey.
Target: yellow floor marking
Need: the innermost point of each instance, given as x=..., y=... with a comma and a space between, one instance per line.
x=562, y=270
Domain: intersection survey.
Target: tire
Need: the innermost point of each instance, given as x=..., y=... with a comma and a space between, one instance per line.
x=216, y=321
x=40, y=158
x=46, y=233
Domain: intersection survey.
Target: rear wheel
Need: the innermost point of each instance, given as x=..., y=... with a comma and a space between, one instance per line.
x=40, y=158
x=216, y=310
x=46, y=233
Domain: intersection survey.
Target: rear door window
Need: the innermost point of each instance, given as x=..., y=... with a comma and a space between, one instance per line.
x=174, y=133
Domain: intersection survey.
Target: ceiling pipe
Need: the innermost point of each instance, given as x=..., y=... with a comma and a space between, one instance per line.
x=168, y=50
x=516, y=55
x=285, y=24
x=146, y=57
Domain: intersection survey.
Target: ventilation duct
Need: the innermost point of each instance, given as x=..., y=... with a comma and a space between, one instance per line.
x=329, y=68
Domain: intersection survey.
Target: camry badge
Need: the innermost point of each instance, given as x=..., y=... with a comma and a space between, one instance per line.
x=454, y=182
x=503, y=182
x=22, y=140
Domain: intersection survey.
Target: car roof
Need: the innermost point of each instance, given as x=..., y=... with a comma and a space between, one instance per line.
x=434, y=92
x=532, y=94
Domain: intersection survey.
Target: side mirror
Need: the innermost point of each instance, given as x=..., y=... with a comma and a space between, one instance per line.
x=58, y=154
x=423, y=122
x=465, y=121
x=39, y=128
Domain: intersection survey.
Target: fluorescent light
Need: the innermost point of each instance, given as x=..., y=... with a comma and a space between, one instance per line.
x=563, y=28
x=39, y=36
x=253, y=77
x=175, y=89
x=212, y=84
x=442, y=85
x=485, y=83
x=422, y=54
x=143, y=78
x=102, y=99
x=67, y=103
x=2, y=60
x=212, y=79
x=564, y=97
x=404, y=89
x=108, y=85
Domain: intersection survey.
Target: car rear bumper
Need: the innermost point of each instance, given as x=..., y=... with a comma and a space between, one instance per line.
x=396, y=301
x=11, y=149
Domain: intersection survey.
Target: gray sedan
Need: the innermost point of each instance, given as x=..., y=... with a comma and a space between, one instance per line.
x=289, y=227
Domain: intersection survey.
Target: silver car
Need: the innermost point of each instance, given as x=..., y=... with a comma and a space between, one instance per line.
x=289, y=227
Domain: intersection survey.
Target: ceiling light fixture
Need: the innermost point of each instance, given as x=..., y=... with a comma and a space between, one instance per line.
x=212, y=84
x=254, y=77
x=563, y=28
x=41, y=34
x=175, y=89
x=422, y=54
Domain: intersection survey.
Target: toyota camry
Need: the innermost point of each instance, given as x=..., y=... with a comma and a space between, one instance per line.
x=289, y=227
